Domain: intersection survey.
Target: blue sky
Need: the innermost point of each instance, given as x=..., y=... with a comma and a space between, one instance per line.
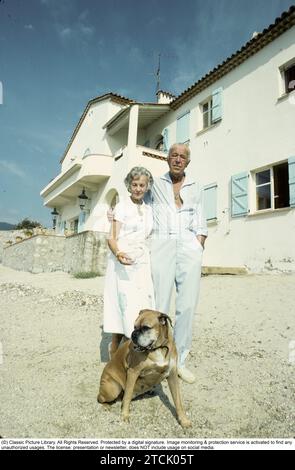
x=55, y=55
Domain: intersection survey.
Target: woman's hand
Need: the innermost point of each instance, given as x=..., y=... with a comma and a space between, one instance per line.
x=123, y=258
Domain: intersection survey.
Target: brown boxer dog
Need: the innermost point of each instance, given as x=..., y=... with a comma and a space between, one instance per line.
x=142, y=362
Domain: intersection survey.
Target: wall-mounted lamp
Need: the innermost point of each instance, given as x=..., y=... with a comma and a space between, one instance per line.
x=82, y=198
x=54, y=214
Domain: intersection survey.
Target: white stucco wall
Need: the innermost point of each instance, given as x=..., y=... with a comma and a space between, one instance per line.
x=91, y=137
x=256, y=130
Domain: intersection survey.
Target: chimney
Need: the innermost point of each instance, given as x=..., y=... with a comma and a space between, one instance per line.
x=164, y=97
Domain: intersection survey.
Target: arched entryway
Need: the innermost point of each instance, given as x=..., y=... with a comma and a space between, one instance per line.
x=112, y=198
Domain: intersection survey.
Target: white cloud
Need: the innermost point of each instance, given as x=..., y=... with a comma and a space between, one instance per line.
x=13, y=168
x=136, y=55
x=83, y=15
x=156, y=22
x=65, y=32
x=61, y=11
x=75, y=31
x=29, y=26
x=87, y=30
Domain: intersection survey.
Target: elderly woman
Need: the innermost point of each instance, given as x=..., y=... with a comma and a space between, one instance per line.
x=128, y=283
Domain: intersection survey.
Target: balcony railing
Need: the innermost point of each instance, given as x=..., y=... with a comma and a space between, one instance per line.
x=152, y=153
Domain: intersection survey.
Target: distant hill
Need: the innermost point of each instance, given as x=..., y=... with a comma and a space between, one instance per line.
x=6, y=226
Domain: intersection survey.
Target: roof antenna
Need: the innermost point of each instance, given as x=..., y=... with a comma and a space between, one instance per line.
x=158, y=73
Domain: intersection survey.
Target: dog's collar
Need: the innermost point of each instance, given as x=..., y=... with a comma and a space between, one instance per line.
x=142, y=348
x=149, y=348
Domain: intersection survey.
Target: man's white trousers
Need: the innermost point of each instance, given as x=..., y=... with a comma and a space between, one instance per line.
x=178, y=262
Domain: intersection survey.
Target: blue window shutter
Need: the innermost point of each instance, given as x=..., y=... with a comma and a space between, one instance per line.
x=239, y=194
x=166, y=139
x=291, y=166
x=210, y=201
x=81, y=222
x=182, y=128
x=217, y=104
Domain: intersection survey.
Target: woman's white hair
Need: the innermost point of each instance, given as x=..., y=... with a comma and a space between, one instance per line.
x=136, y=172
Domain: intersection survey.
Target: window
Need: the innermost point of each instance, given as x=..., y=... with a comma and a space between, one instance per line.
x=263, y=190
x=61, y=226
x=74, y=223
x=289, y=75
x=272, y=187
x=207, y=113
x=159, y=145
x=211, y=109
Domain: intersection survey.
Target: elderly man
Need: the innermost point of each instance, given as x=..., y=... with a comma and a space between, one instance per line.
x=177, y=245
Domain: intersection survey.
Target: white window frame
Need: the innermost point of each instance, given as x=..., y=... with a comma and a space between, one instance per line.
x=270, y=183
x=212, y=120
x=208, y=101
x=282, y=70
x=253, y=193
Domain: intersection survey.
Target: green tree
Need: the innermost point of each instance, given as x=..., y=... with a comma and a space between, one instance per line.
x=27, y=224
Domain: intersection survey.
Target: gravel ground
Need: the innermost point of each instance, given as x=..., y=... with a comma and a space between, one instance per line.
x=53, y=352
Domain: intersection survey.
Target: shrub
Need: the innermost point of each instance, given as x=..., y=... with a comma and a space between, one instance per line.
x=28, y=233
x=86, y=275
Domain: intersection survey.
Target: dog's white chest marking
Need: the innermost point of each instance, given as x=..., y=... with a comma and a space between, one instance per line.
x=159, y=359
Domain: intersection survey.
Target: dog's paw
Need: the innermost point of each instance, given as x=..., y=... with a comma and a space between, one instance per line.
x=106, y=406
x=125, y=417
x=185, y=422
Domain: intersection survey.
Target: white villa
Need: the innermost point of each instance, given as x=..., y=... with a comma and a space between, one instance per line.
x=239, y=121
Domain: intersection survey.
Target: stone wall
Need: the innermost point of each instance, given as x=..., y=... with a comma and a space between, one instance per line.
x=40, y=253
x=9, y=237
x=83, y=252
x=86, y=252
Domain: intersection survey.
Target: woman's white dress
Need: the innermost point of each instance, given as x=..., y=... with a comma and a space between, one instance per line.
x=129, y=289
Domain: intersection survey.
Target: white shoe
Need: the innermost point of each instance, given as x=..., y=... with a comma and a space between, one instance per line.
x=186, y=375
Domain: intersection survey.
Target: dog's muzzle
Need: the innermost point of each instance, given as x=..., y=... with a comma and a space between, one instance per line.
x=137, y=337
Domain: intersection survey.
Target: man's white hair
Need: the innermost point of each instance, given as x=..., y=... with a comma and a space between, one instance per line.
x=186, y=147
